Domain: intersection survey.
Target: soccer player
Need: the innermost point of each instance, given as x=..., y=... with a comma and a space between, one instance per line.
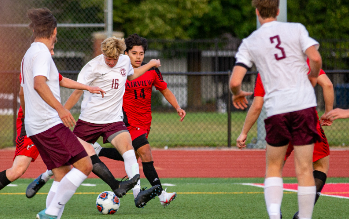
x=137, y=112
x=103, y=116
x=46, y=121
x=279, y=51
x=321, y=154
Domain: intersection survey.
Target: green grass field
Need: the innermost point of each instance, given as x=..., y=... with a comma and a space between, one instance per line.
x=198, y=129
x=197, y=198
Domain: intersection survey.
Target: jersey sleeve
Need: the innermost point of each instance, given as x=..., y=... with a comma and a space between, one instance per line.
x=243, y=57
x=322, y=72
x=159, y=82
x=86, y=75
x=130, y=68
x=259, y=88
x=41, y=64
x=305, y=40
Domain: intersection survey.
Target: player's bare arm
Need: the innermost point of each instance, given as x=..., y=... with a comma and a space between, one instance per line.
x=337, y=113
x=171, y=98
x=328, y=93
x=251, y=118
x=21, y=99
x=45, y=93
x=239, y=96
x=142, y=69
x=73, y=99
x=68, y=83
x=315, y=63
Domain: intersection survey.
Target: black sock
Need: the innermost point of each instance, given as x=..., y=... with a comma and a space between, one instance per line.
x=111, y=153
x=320, y=180
x=102, y=171
x=151, y=174
x=3, y=180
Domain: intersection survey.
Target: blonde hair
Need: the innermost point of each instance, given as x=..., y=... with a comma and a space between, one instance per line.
x=112, y=47
x=267, y=8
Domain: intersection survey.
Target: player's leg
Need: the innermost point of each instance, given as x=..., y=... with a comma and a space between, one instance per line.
x=273, y=184
x=321, y=167
x=19, y=166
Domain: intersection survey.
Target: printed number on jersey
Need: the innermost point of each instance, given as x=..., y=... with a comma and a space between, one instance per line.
x=141, y=94
x=115, y=84
x=278, y=41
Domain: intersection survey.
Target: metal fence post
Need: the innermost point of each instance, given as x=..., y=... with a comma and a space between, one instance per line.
x=14, y=105
x=229, y=113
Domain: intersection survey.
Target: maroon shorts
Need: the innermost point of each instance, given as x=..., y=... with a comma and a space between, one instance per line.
x=297, y=128
x=58, y=146
x=90, y=132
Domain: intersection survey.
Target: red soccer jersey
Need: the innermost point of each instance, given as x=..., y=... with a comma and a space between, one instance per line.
x=137, y=98
x=259, y=89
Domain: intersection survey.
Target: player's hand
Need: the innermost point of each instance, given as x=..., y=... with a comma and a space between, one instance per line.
x=66, y=117
x=241, y=141
x=324, y=121
x=181, y=113
x=96, y=90
x=240, y=101
x=337, y=114
x=155, y=63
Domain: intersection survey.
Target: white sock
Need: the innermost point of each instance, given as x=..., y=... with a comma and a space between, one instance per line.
x=50, y=196
x=130, y=162
x=65, y=190
x=273, y=191
x=47, y=175
x=306, y=199
x=136, y=190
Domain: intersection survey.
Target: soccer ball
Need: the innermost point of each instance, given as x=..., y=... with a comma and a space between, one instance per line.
x=107, y=203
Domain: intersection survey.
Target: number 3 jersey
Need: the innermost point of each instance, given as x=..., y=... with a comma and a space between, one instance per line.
x=94, y=108
x=278, y=51
x=137, y=98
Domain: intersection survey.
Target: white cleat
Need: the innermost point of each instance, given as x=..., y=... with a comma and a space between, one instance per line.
x=166, y=197
x=97, y=147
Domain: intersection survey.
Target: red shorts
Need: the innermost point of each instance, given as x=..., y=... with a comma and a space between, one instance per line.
x=135, y=132
x=297, y=128
x=90, y=132
x=58, y=146
x=321, y=149
x=24, y=146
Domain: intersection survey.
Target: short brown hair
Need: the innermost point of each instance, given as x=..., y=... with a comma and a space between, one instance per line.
x=42, y=23
x=112, y=47
x=267, y=8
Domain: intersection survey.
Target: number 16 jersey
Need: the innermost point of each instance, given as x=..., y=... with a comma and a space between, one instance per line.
x=278, y=51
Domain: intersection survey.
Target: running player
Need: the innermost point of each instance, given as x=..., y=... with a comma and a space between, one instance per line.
x=279, y=52
x=46, y=121
x=137, y=112
x=103, y=116
x=321, y=153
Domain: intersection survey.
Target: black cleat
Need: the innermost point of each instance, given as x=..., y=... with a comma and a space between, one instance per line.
x=125, y=186
x=146, y=195
x=34, y=187
x=295, y=216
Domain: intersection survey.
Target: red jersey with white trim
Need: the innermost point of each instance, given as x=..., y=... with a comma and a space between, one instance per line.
x=137, y=98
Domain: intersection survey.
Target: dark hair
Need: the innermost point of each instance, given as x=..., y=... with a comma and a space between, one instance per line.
x=42, y=23
x=267, y=8
x=135, y=40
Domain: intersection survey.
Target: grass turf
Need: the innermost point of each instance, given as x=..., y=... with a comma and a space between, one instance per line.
x=197, y=198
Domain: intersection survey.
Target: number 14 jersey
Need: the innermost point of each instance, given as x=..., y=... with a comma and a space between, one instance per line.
x=278, y=51
x=137, y=98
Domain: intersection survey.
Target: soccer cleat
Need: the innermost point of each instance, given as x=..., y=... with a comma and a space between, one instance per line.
x=295, y=216
x=167, y=197
x=97, y=147
x=43, y=215
x=125, y=186
x=146, y=195
x=34, y=187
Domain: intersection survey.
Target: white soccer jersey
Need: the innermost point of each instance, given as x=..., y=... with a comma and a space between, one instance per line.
x=278, y=51
x=39, y=116
x=94, y=108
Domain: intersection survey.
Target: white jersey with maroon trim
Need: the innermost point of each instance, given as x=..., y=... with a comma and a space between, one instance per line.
x=39, y=116
x=94, y=108
x=278, y=51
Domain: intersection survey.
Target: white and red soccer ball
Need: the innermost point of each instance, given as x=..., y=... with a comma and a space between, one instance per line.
x=107, y=203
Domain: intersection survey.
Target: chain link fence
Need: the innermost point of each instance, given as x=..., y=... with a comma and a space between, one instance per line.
x=197, y=72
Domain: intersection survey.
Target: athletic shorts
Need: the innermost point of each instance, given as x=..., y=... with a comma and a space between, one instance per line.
x=297, y=128
x=321, y=149
x=24, y=146
x=90, y=132
x=139, y=136
x=58, y=146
